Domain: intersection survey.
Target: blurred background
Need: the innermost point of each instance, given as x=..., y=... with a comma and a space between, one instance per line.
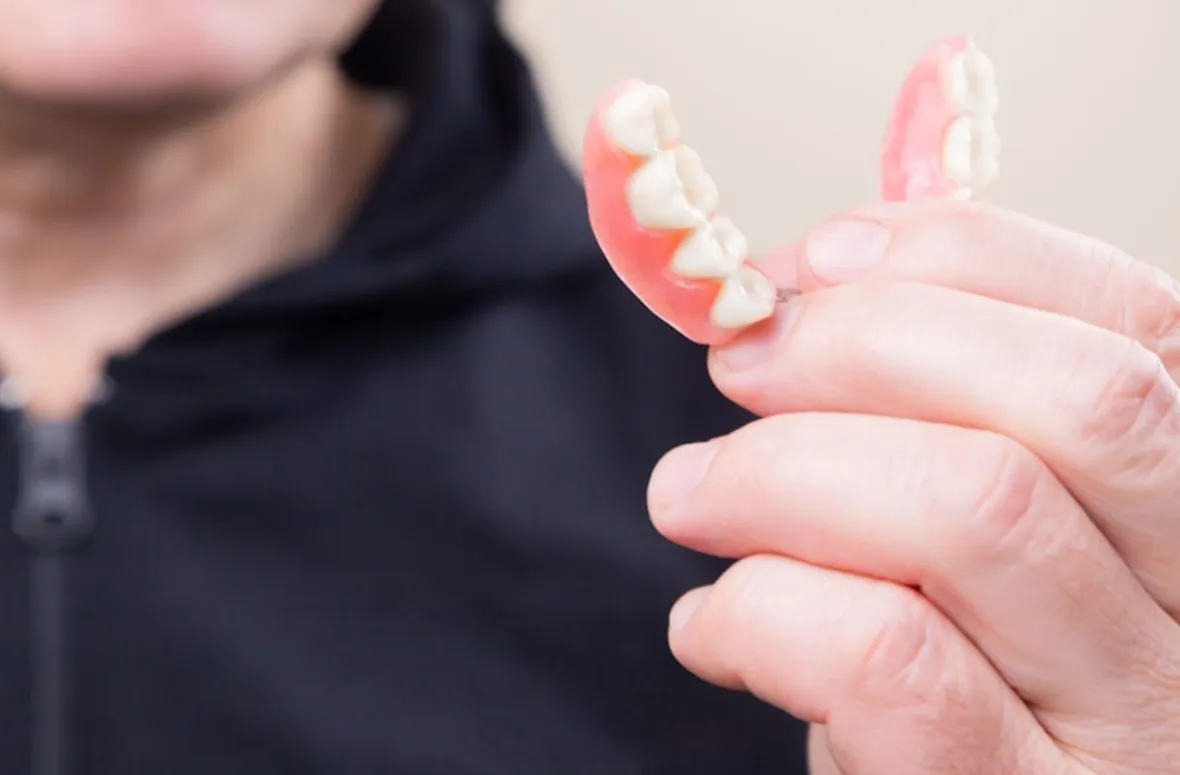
x=787, y=99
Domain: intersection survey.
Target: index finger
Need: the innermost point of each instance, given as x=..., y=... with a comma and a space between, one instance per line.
x=988, y=251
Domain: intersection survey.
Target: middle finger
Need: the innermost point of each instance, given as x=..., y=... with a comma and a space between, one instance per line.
x=970, y=518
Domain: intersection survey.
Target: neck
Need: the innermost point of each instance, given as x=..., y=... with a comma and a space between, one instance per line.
x=113, y=225
x=179, y=180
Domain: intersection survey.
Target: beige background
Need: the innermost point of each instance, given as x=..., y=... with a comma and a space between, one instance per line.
x=787, y=99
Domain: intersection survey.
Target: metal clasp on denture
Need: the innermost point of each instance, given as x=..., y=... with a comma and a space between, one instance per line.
x=783, y=295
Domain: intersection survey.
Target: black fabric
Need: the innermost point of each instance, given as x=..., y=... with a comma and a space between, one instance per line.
x=385, y=514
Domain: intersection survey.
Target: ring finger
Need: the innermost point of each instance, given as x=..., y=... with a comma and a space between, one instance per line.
x=898, y=687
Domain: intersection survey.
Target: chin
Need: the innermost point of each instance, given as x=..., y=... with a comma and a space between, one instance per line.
x=127, y=53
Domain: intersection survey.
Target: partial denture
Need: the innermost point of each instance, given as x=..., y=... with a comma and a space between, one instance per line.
x=941, y=142
x=652, y=204
x=653, y=207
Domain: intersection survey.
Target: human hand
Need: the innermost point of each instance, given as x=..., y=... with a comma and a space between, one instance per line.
x=957, y=523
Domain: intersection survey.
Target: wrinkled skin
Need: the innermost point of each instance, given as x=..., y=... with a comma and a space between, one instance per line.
x=957, y=522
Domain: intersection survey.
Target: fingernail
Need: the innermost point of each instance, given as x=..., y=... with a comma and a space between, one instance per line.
x=685, y=607
x=756, y=346
x=679, y=473
x=842, y=251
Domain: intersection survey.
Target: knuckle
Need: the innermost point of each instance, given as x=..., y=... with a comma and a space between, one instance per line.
x=1151, y=314
x=1003, y=503
x=904, y=664
x=1168, y=332
x=1138, y=299
x=1143, y=299
x=1120, y=311
x=1091, y=250
x=1132, y=404
x=1164, y=310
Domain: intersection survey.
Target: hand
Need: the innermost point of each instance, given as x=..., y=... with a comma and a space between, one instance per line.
x=958, y=522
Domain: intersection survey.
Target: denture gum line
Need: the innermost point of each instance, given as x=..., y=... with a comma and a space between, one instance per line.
x=671, y=191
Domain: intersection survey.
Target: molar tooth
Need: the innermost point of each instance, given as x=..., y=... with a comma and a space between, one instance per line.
x=970, y=81
x=714, y=251
x=699, y=186
x=672, y=191
x=641, y=122
x=956, y=152
x=987, y=155
x=970, y=153
x=745, y=298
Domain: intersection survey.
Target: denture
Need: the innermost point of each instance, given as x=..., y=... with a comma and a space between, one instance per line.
x=653, y=205
x=941, y=141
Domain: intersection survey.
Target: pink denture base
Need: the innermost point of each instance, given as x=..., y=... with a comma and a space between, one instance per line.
x=911, y=156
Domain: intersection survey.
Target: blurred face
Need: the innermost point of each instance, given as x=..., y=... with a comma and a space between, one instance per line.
x=144, y=52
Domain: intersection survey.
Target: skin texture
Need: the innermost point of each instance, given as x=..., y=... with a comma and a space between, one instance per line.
x=145, y=171
x=955, y=522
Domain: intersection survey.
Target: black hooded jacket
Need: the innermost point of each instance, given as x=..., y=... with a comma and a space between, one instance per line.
x=383, y=514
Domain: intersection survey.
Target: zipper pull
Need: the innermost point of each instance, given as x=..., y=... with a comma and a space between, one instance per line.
x=53, y=507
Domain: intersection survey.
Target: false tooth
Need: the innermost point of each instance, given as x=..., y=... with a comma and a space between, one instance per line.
x=672, y=191
x=987, y=155
x=745, y=298
x=970, y=153
x=970, y=80
x=641, y=122
x=714, y=251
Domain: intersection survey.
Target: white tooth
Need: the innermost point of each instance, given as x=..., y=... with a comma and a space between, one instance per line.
x=744, y=299
x=956, y=152
x=970, y=82
x=987, y=155
x=641, y=122
x=698, y=184
x=971, y=153
x=672, y=191
x=713, y=251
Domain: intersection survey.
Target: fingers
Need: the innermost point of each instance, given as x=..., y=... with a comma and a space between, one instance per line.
x=1094, y=405
x=900, y=690
x=819, y=755
x=971, y=519
x=992, y=252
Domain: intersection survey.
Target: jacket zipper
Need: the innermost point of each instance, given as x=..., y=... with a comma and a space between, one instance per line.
x=53, y=516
